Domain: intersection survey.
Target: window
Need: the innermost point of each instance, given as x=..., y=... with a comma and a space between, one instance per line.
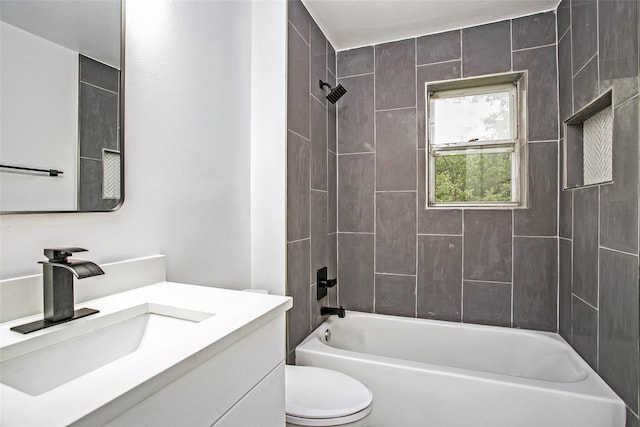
x=476, y=152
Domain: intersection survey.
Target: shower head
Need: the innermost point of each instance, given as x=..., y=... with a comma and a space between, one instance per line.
x=336, y=92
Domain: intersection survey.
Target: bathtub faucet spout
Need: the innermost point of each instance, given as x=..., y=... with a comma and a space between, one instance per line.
x=328, y=311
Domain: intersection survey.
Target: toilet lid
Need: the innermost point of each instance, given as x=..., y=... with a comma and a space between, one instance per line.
x=321, y=393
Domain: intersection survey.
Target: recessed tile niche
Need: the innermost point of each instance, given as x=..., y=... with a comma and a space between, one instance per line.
x=588, y=150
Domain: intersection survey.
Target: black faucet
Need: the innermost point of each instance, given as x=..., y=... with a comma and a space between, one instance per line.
x=58, y=272
x=328, y=311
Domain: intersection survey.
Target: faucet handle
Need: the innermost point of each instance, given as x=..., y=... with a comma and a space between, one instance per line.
x=61, y=254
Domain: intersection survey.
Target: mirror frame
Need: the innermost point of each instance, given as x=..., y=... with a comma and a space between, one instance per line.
x=121, y=111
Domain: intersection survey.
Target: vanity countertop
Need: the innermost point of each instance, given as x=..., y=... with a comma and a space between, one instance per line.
x=128, y=380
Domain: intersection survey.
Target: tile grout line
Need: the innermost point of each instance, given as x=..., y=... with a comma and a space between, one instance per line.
x=413, y=107
x=299, y=33
x=306, y=139
x=358, y=153
x=462, y=268
x=375, y=197
x=358, y=75
x=395, y=274
x=439, y=62
x=460, y=33
x=589, y=304
x=417, y=164
x=617, y=251
x=496, y=282
x=513, y=244
x=542, y=46
x=585, y=64
x=310, y=260
x=558, y=179
x=598, y=282
x=428, y=181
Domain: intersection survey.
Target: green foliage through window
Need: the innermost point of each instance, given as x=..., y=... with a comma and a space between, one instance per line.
x=482, y=177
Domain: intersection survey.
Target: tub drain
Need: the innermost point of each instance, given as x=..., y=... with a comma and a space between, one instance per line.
x=327, y=335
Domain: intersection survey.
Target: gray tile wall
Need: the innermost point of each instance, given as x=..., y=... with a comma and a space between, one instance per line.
x=98, y=128
x=598, y=251
x=495, y=267
x=311, y=173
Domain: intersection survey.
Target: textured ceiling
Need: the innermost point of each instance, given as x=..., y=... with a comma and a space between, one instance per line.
x=354, y=23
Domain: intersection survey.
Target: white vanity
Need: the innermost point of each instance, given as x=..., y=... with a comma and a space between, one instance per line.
x=164, y=354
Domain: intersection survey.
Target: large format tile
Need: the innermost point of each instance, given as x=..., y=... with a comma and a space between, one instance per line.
x=331, y=59
x=619, y=358
x=585, y=85
x=438, y=47
x=318, y=144
x=90, y=187
x=542, y=92
x=564, y=16
x=432, y=73
x=298, y=198
x=619, y=201
x=396, y=150
x=356, y=116
x=319, y=236
x=98, y=121
x=533, y=30
x=540, y=219
x=632, y=419
x=565, y=80
x=564, y=282
x=487, y=303
x=439, y=290
x=396, y=233
x=486, y=49
x=585, y=331
x=355, y=271
x=355, y=61
x=332, y=121
x=535, y=283
x=573, y=149
x=585, y=244
x=298, y=287
x=297, y=83
x=318, y=62
x=356, y=193
x=584, y=21
x=396, y=295
x=565, y=217
x=618, y=47
x=395, y=74
x=299, y=17
x=332, y=264
x=332, y=193
x=487, y=245
x=99, y=74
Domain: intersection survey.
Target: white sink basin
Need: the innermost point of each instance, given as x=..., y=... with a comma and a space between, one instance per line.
x=40, y=364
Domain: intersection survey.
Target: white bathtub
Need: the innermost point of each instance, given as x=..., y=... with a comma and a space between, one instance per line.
x=435, y=373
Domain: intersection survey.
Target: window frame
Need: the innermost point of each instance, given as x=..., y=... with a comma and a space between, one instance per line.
x=516, y=83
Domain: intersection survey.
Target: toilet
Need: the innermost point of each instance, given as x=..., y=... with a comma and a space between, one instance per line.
x=322, y=397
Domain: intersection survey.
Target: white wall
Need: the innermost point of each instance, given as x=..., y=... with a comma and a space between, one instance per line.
x=268, y=146
x=187, y=155
x=38, y=121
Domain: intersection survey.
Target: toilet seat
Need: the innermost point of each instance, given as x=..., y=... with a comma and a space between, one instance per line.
x=322, y=397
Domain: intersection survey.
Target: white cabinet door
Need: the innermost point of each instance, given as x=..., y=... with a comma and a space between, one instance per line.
x=204, y=394
x=261, y=407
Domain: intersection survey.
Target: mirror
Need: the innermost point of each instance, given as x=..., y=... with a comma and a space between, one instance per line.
x=61, y=121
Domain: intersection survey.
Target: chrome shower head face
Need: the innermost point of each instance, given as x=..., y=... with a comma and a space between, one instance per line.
x=335, y=93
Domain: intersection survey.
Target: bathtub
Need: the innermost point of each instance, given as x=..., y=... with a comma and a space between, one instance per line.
x=435, y=373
